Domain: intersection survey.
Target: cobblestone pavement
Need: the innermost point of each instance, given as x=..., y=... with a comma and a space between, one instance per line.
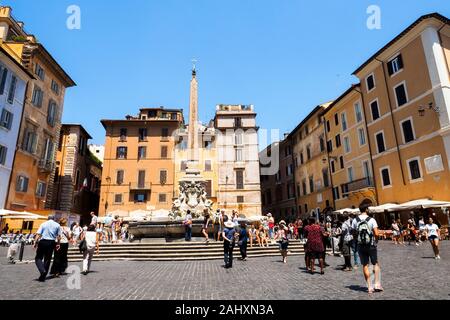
x=408, y=272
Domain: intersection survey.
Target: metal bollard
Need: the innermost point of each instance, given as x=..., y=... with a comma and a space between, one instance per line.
x=22, y=247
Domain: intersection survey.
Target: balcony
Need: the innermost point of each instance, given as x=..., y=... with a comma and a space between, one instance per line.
x=140, y=186
x=46, y=166
x=360, y=184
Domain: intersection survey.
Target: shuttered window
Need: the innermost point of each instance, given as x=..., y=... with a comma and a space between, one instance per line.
x=163, y=177
x=239, y=179
x=12, y=89
x=119, y=178
x=6, y=119
x=3, y=77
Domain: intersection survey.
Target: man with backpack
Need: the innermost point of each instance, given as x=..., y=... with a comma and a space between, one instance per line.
x=365, y=230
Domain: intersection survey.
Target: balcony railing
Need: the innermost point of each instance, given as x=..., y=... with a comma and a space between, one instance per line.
x=45, y=165
x=360, y=184
x=140, y=186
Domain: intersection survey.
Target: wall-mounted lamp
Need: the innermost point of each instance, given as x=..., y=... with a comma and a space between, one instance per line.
x=430, y=107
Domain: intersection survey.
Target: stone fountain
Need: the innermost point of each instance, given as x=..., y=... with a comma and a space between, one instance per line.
x=193, y=197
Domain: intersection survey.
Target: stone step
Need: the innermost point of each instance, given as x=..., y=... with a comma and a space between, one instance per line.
x=181, y=258
x=193, y=249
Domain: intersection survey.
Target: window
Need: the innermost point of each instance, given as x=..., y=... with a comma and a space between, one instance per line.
x=358, y=112
x=118, y=198
x=164, y=152
x=415, y=171
x=336, y=195
x=77, y=180
x=47, y=155
x=3, y=152
x=119, y=177
x=239, y=179
x=6, y=119
x=239, y=156
x=385, y=177
x=141, y=179
x=328, y=126
x=375, y=110
x=55, y=87
x=4, y=76
x=408, y=131
x=207, y=165
x=240, y=199
x=40, y=189
x=301, y=158
x=336, y=119
x=29, y=141
x=121, y=152
x=308, y=152
x=344, y=121
x=306, y=208
x=142, y=134
x=237, y=122
x=39, y=72
x=173, y=116
x=329, y=145
x=38, y=96
x=333, y=166
x=338, y=140
x=306, y=130
x=350, y=174
x=304, y=187
x=142, y=153
x=401, y=95
x=370, y=81
x=395, y=65
x=238, y=138
x=163, y=177
x=123, y=134
x=52, y=112
x=341, y=162
x=361, y=136
x=311, y=184
x=22, y=184
x=322, y=144
x=183, y=166
x=140, y=197
x=164, y=132
x=380, y=142
x=82, y=145
x=12, y=89
x=326, y=182
x=366, y=169
x=347, y=147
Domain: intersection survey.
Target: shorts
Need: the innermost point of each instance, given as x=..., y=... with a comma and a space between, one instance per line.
x=346, y=249
x=367, y=253
x=433, y=237
x=216, y=228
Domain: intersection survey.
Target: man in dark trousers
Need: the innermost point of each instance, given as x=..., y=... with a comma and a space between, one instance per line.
x=228, y=243
x=47, y=240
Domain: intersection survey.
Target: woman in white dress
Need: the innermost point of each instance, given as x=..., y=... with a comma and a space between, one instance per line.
x=91, y=245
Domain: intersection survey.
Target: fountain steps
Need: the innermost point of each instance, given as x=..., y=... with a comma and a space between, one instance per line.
x=177, y=252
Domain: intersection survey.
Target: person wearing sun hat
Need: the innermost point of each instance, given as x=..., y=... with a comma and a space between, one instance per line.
x=282, y=238
x=229, y=241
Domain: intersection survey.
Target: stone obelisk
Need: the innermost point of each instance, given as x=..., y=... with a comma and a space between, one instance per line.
x=193, y=143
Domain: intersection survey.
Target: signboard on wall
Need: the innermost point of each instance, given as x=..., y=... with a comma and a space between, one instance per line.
x=434, y=164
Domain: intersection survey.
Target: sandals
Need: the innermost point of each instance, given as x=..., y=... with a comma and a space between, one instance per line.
x=379, y=289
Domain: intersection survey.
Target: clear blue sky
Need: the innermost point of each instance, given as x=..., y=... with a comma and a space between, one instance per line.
x=283, y=56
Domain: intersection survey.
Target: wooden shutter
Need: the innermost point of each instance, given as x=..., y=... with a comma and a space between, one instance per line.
x=141, y=179
x=239, y=179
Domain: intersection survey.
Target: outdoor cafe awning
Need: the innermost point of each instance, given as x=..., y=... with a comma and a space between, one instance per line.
x=9, y=214
x=410, y=205
x=348, y=210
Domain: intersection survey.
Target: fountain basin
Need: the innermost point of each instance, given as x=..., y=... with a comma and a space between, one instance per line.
x=163, y=229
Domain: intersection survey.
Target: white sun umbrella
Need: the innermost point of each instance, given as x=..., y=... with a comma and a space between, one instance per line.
x=349, y=210
x=384, y=207
x=422, y=204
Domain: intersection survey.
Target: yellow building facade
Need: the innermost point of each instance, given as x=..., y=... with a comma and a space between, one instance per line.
x=406, y=96
x=139, y=167
x=349, y=151
x=312, y=173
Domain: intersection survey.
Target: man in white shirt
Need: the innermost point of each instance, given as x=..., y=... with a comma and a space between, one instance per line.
x=365, y=231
